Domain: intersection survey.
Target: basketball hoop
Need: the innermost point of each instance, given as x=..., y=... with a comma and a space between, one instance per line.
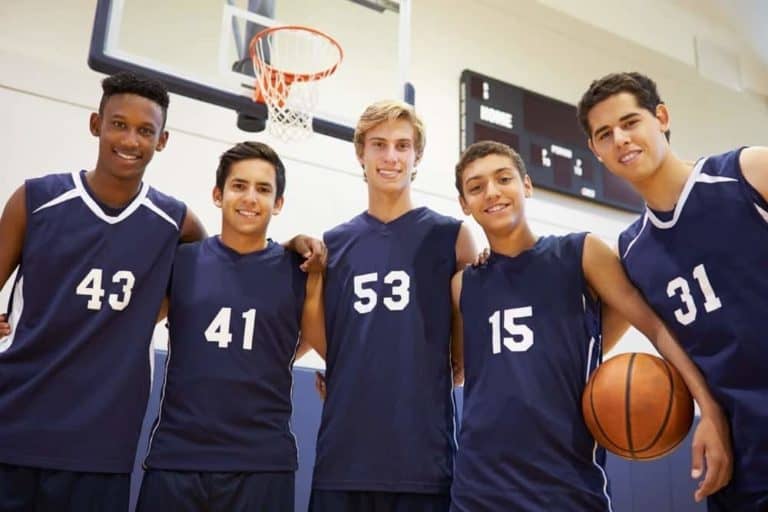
x=289, y=62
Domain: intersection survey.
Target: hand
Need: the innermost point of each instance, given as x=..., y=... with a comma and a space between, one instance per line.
x=314, y=251
x=5, y=327
x=482, y=258
x=711, y=449
x=320, y=385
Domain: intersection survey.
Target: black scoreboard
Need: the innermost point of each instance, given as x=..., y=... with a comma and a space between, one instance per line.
x=547, y=135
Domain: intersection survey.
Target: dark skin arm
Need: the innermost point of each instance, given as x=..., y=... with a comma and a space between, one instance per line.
x=711, y=440
x=13, y=226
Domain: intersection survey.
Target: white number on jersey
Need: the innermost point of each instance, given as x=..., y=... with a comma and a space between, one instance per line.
x=521, y=336
x=679, y=286
x=90, y=286
x=399, y=296
x=218, y=330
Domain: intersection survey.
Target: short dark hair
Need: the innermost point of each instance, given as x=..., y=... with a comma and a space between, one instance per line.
x=481, y=149
x=249, y=150
x=128, y=82
x=638, y=85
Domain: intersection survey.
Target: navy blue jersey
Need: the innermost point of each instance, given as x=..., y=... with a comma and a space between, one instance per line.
x=75, y=372
x=531, y=340
x=388, y=419
x=234, y=322
x=704, y=270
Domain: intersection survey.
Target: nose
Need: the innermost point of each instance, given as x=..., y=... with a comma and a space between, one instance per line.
x=131, y=139
x=491, y=190
x=390, y=155
x=620, y=137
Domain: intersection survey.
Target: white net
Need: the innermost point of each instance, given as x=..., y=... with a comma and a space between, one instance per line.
x=289, y=62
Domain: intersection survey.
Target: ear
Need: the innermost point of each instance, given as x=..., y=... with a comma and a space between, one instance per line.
x=662, y=114
x=527, y=186
x=94, y=123
x=216, y=196
x=162, y=141
x=464, y=206
x=278, y=205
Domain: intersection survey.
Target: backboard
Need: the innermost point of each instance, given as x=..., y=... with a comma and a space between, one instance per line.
x=199, y=49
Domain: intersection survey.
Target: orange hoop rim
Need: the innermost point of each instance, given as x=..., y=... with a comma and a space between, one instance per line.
x=290, y=77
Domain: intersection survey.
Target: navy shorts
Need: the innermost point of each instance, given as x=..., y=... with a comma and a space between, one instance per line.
x=24, y=489
x=727, y=500
x=166, y=491
x=368, y=501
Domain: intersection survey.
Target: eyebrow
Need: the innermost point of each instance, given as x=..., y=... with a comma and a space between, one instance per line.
x=495, y=172
x=621, y=120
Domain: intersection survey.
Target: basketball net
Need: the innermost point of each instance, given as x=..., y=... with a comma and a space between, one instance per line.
x=289, y=62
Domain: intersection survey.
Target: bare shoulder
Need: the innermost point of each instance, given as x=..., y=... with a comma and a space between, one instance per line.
x=754, y=166
x=192, y=229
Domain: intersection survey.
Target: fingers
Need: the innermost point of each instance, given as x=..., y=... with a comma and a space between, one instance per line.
x=320, y=385
x=316, y=256
x=5, y=327
x=481, y=258
x=718, y=469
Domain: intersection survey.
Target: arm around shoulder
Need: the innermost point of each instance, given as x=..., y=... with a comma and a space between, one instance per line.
x=192, y=229
x=13, y=226
x=754, y=166
x=466, y=251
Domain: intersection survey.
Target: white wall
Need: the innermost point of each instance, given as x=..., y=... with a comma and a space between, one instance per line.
x=47, y=93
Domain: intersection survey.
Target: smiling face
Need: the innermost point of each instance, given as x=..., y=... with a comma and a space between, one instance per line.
x=628, y=138
x=493, y=191
x=389, y=155
x=130, y=130
x=247, y=201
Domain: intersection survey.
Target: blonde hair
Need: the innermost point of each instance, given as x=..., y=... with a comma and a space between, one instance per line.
x=389, y=110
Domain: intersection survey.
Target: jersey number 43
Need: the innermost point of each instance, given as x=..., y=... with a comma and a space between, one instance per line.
x=91, y=287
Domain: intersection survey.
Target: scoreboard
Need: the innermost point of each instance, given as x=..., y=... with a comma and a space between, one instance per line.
x=547, y=135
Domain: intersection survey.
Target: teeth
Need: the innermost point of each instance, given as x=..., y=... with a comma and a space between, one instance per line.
x=126, y=156
x=247, y=213
x=388, y=174
x=495, y=208
x=629, y=157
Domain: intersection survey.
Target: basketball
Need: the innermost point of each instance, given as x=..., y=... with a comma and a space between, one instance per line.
x=637, y=406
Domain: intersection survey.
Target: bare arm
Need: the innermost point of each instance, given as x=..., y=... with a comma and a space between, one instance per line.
x=466, y=252
x=457, y=331
x=606, y=276
x=13, y=226
x=192, y=229
x=614, y=327
x=313, y=317
x=313, y=250
x=754, y=165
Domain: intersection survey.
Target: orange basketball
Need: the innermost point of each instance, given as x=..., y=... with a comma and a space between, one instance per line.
x=637, y=406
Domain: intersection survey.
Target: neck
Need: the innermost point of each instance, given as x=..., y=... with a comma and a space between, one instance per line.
x=112, y=191
x=387, y=206
x=661, y=191
x=241, y=243
x=512, y=243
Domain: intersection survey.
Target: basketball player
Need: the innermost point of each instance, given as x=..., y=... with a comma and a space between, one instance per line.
x=698, y=254
x=386, y=439
x=94, y=251
x=222, y=440
x=532, y=337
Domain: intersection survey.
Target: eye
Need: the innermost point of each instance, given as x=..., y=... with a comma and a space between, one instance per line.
x=404, y=146
x=118, y=124
x=146, y=132
x=505, y=179
x=604, y=135
x=630, y=123
x=264, y=190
